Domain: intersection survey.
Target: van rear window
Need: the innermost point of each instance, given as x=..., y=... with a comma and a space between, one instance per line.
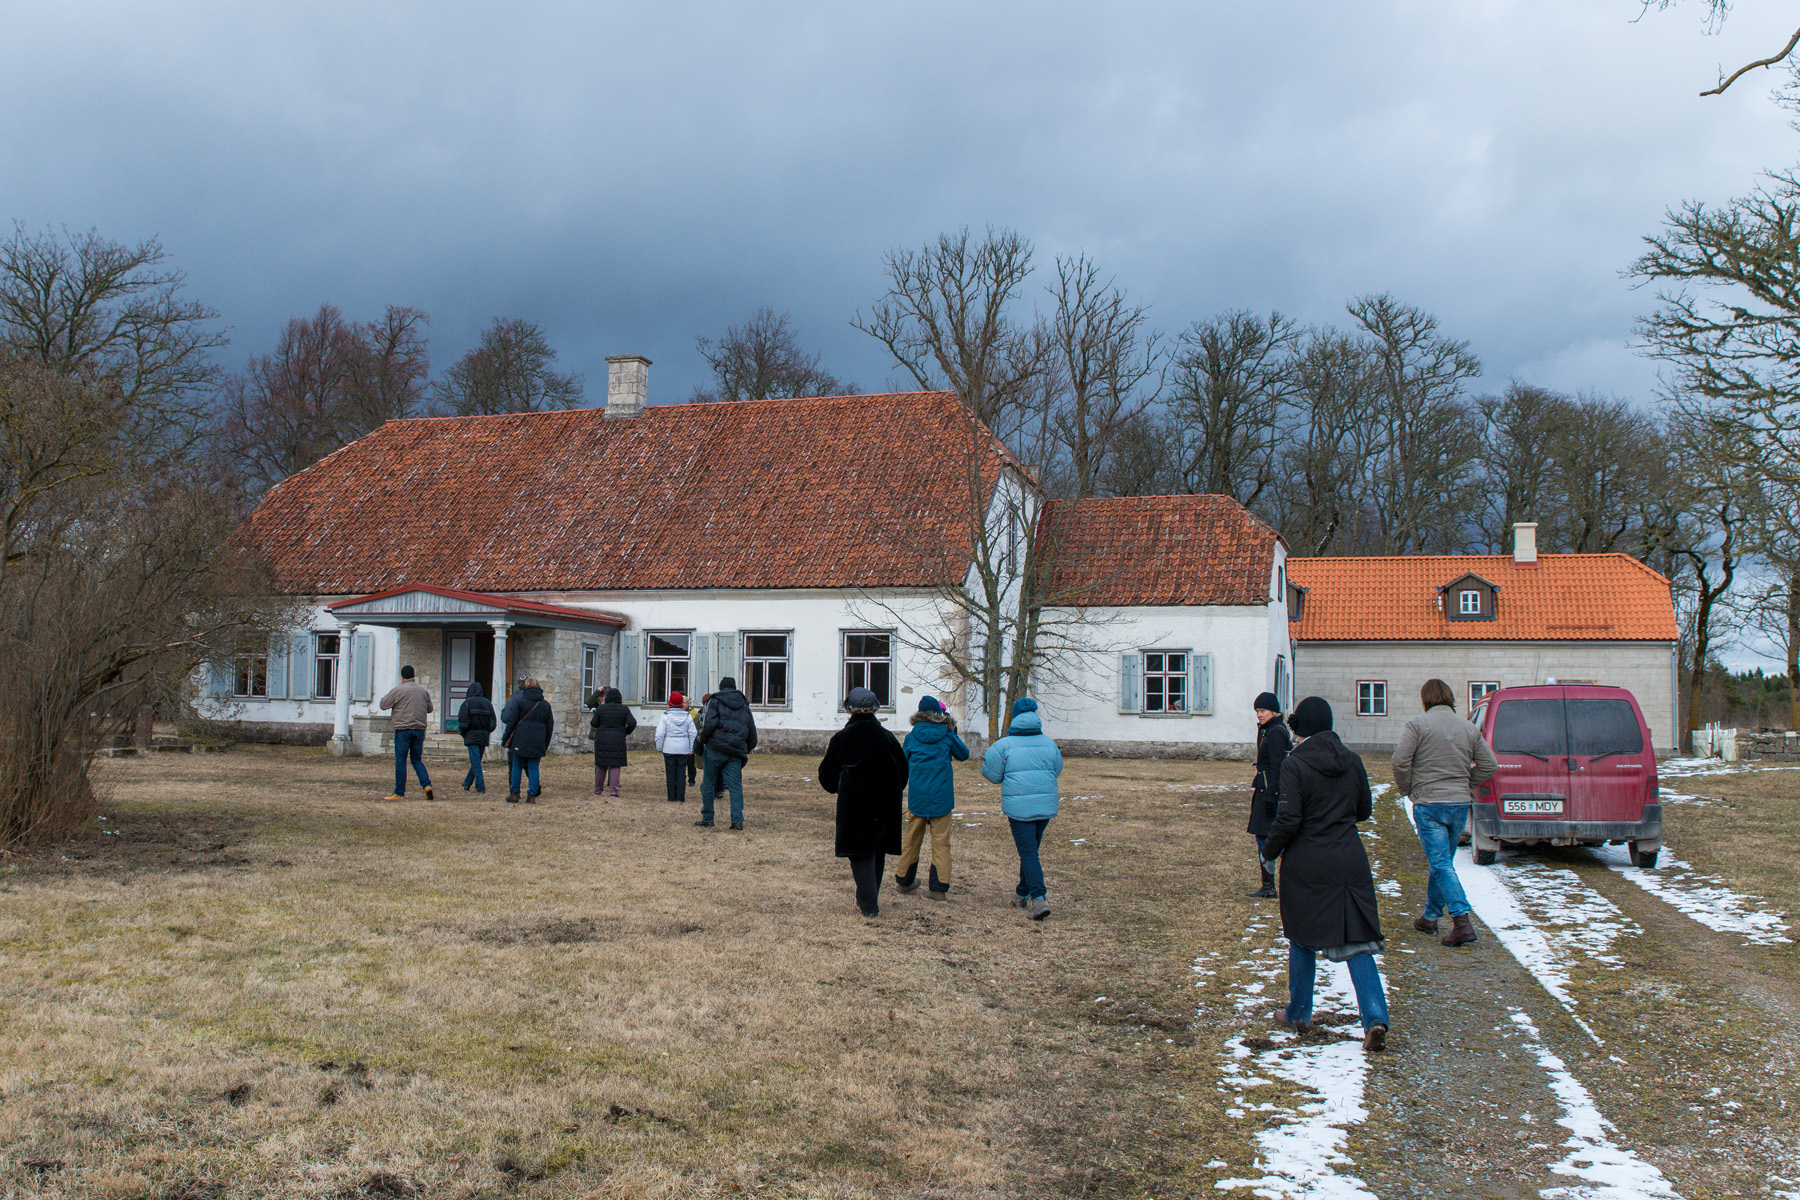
x=1530, y=727
x=1604, y=727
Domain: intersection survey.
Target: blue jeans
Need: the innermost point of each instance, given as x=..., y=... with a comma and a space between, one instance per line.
x=409, y=743
x=722, y=770
x=1028, y=836
x=475, y=778
x=1439, y=826
x=1303, y=968
x=530, y=768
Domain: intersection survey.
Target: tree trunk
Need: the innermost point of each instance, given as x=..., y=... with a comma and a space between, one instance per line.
x=1793, y=648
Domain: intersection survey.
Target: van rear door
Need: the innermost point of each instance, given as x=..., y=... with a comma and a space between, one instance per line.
x=1610, y=768
x=1531, y=740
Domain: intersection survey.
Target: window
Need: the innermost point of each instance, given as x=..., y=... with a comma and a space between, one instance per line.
x=1468, y=603
x=1371, y=697
x=766, y=669
x=251, y=675
x=590, y=674
x=325, y=665
x=1533, y=727
x=869, y=663
x=1165, y=681
x=1281, y=681
x=1598, y=727
x=1480, y=688
x=667, y=663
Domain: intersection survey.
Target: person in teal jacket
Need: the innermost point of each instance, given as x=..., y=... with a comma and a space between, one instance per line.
x=1026, y=764
x=930, y=795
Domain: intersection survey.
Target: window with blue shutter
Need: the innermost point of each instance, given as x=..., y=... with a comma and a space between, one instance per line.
x=631, y=667
x=1200, y=689
x=278, y=673
x=725, y=657
x=1129, y=665
x=701, y=679
x=300, y=669
x=219, y=679
x=362, y=667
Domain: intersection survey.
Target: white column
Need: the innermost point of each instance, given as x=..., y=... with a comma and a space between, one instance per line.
x=501, y=683
x=346, y=675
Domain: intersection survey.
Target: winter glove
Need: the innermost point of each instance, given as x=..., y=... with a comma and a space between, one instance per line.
x=1269, y=864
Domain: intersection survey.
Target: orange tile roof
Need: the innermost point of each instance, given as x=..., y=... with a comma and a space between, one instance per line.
x=1173, y=550
x=1565, y=597
x=840, y=491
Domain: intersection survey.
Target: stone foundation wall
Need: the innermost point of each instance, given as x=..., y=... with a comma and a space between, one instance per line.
x=424, y=649
x=279, y=733
x=1769, y=747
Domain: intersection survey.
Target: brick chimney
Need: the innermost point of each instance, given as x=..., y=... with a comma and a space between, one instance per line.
x=627, y=385
x=1525, y=543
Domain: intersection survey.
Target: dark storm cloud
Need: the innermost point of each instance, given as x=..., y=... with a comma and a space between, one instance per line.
x=635, y=175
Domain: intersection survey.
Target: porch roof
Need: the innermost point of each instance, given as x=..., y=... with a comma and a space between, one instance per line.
x=424, y=604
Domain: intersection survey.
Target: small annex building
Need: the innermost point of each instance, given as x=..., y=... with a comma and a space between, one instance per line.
x=801, y=546
x=1368, y=632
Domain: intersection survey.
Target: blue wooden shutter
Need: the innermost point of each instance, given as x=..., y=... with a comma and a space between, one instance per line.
x=1200, y=682
x=220, y=678
x=278, y=657
x=300, y=668
x=726, y=657
x=1128, y=682
x=700, y=676
x=362, y=666
x=631, y=667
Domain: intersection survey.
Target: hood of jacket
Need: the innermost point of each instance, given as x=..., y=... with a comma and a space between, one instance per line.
x=730, y=698
x=474, y=692
x=1325, y=753
x=1027, y=722
x=935, y=718
x=531, y=695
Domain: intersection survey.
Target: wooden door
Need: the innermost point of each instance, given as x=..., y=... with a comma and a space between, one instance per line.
x=459, y=673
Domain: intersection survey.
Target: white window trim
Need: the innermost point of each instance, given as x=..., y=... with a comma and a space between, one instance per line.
x=238, y=658
x=1382, y=683
x=1462, y=603
x=744, y=658
x=318, y=656
x=1492, y=686
x=1186, y=675
x=844, y=660
x=590, y=680
x=649, y=636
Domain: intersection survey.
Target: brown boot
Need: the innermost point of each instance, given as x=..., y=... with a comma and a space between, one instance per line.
x=1424, y=926
x=1462, y=931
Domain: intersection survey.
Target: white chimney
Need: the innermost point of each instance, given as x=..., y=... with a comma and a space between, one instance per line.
x=627, y=385
x=1525, y=543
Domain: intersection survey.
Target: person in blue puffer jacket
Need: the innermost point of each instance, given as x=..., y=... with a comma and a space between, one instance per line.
x=931, y=748
x=1026, y=764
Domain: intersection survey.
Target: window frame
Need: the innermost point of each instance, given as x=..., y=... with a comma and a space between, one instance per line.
x=845, y=660
x=1463, y=596
x=1166, y=673
x=590, y=674
x=245, y=665
x=650, y=659
x=1488, y=686
x=1372, y=698
x=320, y=658
x=746, y=660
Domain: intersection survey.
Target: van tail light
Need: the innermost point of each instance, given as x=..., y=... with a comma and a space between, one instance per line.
x=1487, y=791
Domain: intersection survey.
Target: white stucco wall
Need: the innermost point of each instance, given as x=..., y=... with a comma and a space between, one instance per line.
x=385, y=649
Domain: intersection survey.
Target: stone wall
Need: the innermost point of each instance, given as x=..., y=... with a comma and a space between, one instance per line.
x=423, y=647
x=1769, y=747
x=280, y=733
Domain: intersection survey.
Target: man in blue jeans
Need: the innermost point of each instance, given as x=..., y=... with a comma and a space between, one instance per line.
x=727, y=736
x=411, y=705
x=1439, y=761
x=1026, y=764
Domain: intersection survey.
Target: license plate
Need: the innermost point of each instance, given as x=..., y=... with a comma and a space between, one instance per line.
x=1531, y=806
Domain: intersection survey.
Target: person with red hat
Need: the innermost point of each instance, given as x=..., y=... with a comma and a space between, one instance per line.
x=675, y=734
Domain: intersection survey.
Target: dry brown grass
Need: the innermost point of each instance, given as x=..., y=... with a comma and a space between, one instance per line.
x=258, y=980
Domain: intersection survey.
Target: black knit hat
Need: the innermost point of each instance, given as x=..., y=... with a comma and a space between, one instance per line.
x=406, y=672
x=1312, y=715
x=1267, y=702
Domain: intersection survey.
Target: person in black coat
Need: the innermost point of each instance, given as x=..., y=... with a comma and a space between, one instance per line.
x=1327, y=891
x=475, y=720
x=866, y=767
x=528, y=737
x=1272, y=745
x=612, y=723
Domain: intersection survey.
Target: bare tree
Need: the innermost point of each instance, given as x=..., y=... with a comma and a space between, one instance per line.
x=1107, y=362
x=1142, y=462
x=1231, y=375
x=509, y=371
x=82, y=304
x=1328, y=433
x=761, y=360
x=1716, y=12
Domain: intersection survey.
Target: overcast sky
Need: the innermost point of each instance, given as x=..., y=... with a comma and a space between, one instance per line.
x=630, y=176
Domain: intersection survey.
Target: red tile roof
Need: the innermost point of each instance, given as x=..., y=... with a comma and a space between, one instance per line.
x=508, y=604
x=1565, y=597
x=1160, y=550
x=841, y=491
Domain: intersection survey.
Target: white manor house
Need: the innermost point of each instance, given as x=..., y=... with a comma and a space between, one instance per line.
x=802, y=547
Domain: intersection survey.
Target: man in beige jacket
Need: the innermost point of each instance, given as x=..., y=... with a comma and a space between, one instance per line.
x=1439, y=761
x=411, y=704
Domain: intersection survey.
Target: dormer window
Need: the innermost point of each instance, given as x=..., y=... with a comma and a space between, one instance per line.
x=1468, y=603
x=1468, y=598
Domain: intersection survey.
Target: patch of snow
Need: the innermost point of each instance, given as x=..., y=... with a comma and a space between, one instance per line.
x=1705, y=898
x=1606, y=1171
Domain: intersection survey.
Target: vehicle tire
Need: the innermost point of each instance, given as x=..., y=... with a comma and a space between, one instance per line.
x=1645, y=859
x=1484, y=858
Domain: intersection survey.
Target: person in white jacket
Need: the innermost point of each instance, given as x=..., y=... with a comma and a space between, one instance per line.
x=675, y=734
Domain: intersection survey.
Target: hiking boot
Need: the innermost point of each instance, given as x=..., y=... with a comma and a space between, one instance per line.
x=1280, y=1015
x=393, y=796
x=531, y=797
x=512, y=797
x=871, y=913
x=1265, y=892
x=738, y=825
x=1376, y=1038
x=704, y=822
x=1019, y=901
x=1462, y=931
x=1425, y=924
x=909, y=882
x=1038, y=908
x=938, y=891
x=428, y=794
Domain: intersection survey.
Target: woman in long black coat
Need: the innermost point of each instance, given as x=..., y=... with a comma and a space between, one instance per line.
x=528, y=735
x=1327, y=890
x=1272, y=745
x=612, y=723
x=866, y=767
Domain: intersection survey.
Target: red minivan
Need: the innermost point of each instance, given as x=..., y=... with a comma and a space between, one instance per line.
x=1576, y=769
